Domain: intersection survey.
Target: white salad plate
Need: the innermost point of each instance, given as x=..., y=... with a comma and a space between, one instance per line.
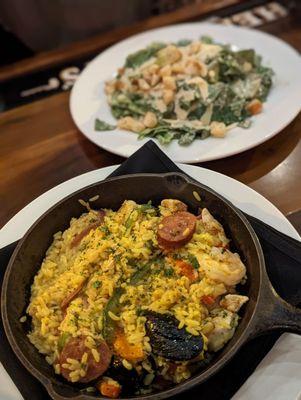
x=278, y=376
x=88, y=100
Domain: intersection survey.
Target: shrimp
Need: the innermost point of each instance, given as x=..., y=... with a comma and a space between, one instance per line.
x=212, y=226
x=225, y=323
x=222, y=266
x=125, y=210
x=172, y=206
x=233, y=302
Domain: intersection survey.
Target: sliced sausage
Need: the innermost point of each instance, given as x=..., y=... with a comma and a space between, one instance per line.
x=75, y=349
x=67, y=300
x=176, y=230
x=78, y=238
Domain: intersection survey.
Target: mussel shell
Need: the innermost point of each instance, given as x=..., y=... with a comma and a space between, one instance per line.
x=128, y=379
x=170, y=342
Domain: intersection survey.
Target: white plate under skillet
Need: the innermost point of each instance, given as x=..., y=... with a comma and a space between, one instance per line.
x=278, y=376
x=88, y=100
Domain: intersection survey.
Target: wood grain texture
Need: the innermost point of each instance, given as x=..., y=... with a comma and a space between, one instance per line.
x=40, y=147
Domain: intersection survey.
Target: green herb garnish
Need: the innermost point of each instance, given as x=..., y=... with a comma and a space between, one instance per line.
x=63, y=339
x=193, y=261
x=112, y=305
x=103, y=126
x=140, y=274
x=168, y=272
x=141, y=56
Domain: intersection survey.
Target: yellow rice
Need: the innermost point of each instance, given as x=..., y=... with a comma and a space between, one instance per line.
x=106, y=261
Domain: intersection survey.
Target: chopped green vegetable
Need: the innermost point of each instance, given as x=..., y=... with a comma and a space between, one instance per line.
x=193, y=261
x=63, y=339
x=206, y=117
x=218, y=91
x=206, y=39
x=177, y=256
x=183, y=42
x=184, y=104
x=113, y=305
x=146, y=207
x=150, y=245
x=105, y=230
x=243, y=56
x=103, y=126
x=141, y=56
x=96, y=284
x=140, y=274
x=129, y=222
x=168, y=272
x=123, y=105
x=160, y=262
x=187, y=138
x=170, y=111
x=165, y=133
x=117, y=258
x=197, y=112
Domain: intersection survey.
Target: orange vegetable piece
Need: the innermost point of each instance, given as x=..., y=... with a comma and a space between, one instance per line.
x=131, y=352
x=186, y=269
x=208, y=300
x=109, y=389
x=254, y=107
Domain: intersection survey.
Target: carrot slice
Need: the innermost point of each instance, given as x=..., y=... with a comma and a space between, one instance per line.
x=131, y=352
x=108, y=389
x=186, y=269
x=208, y=300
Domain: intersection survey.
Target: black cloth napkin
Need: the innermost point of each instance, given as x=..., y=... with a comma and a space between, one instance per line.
x=283, y=262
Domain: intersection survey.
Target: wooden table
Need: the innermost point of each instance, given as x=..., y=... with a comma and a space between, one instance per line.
x=40, y=147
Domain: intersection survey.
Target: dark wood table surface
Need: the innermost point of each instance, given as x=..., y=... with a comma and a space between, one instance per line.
x=41, y=147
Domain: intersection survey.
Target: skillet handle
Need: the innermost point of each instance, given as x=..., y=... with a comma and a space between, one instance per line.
x=275, y=314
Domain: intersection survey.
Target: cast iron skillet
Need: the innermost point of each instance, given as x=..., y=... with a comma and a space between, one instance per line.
x=265, y=310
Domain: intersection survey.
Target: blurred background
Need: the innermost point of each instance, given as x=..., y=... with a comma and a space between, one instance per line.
x=46, y=43
x=44, y=25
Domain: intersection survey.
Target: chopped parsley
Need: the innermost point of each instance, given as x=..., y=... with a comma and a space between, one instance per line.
x=168, y=272
x=105, y=230
x=146, y=207
x=129, y=222
x=193, y=261
x=96, y=284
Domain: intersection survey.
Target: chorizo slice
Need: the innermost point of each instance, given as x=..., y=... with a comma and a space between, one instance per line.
x=75, y=349
x=176, y=230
